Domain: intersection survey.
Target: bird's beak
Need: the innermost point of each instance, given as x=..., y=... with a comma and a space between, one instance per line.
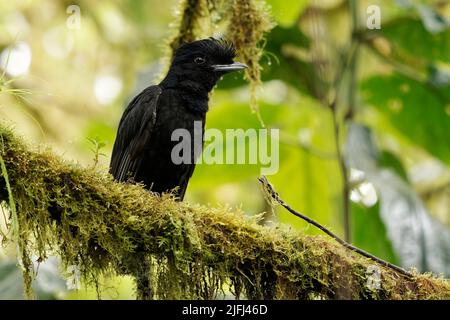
x=235, y=66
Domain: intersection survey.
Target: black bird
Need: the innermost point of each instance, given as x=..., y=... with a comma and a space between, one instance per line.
x=143, y=147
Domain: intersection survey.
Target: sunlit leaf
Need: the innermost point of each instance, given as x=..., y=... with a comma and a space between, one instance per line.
x=307, y=179
x=287, y=12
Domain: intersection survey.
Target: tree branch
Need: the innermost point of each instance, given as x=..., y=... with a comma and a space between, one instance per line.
x=106, y=228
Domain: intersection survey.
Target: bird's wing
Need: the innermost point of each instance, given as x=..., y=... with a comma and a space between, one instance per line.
x=135, y=129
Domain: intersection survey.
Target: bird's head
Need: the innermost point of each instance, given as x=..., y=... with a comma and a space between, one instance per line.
x=202, y=63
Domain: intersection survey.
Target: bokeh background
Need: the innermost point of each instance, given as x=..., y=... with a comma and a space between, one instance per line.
x=384, y=146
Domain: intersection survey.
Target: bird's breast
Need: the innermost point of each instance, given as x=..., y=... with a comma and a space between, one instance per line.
x=175, y=124
x=175, y=145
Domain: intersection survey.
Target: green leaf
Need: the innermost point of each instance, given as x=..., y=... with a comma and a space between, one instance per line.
x=369, y=232
x=308, y=180
x=416, y=110
x=410, y=40
x=289, y=46
x=432, y=20
x=219, y=118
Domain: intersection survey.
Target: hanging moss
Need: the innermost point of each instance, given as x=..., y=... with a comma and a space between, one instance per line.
x=246, y=22
x=106, y=228
x=190, y=15
x=249, y=22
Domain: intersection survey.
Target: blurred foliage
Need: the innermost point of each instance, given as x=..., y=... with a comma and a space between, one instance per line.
x=47, y=285
x=79, y=81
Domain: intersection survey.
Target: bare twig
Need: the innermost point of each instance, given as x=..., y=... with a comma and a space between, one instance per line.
x=270, y=191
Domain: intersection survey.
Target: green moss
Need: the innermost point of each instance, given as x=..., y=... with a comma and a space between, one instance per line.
x=191, y=15
x=246, y=22
x=190, y=251
x=249, y=22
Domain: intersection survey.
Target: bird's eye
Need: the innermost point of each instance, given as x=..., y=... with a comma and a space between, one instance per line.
x=199, y=60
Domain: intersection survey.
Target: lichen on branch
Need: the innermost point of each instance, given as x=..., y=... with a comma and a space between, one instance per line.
x=107, y=228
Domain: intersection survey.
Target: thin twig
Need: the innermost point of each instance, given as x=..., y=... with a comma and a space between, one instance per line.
x=348, y=64
x=270, y=191
x=344, y=172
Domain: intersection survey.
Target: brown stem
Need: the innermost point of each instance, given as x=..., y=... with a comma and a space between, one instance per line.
x=344, y=173
x=275, y=196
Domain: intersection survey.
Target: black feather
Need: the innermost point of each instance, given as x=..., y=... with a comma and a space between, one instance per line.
x=222, y=50
x=143, y=148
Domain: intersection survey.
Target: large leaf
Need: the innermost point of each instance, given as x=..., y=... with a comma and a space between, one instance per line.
x=433, y=21
x=307, y=179
x=418, y=239
x=418, y=111
x=410, y=39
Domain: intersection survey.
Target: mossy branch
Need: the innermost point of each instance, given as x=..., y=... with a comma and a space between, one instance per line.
x=108, y=228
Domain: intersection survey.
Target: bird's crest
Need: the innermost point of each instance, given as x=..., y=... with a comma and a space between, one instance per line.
x=222, y=49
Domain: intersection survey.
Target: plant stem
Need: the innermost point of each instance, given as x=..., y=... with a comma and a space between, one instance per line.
x=353, y=64
x=270, y=191
x=352, y=57
x=344, y=174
